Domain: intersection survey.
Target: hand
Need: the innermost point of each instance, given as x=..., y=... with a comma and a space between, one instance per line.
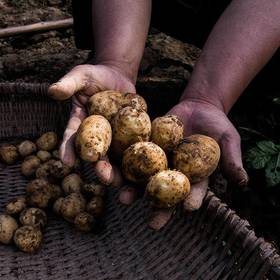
x=80, y=83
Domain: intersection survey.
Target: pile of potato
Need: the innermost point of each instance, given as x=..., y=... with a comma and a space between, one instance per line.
x=52, y=185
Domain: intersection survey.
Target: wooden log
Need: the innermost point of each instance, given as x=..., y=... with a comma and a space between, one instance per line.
x=36, y=27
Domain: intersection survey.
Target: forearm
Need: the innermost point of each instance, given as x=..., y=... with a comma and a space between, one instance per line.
x=120, y=31
x=241, y=43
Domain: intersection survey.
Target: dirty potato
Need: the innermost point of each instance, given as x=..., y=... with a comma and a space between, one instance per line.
x=72, y=183
x=167, y=132
x=9, y=153
x=8, y=225
x=197, y=157
x=26, y=148
x=57, y=205
x=94, y=189
x=15, y=206
x=96, y=206
x=167, y=188
x=93, y=138
x=33, y=217
x=30, y=165
x=44, y=155
x=142, y=160
x=47, y=142
x=84, y=222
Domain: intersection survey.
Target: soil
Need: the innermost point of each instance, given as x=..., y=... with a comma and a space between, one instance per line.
x=164, y=72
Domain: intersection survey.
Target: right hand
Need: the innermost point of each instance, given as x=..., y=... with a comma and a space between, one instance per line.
x=81, y=83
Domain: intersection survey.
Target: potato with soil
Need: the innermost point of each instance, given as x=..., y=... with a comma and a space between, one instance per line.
x=33, y=217
x=72, y=205
x=96, y=206
x=16, y=206
x=143, y=160
x=30, y=165
x=129, y=126
x=93, y=138
x=44, y=155
x=44, y=170
x=59, y=170
x=47, y=142
x=26, y=148
x=57, y=206
x=8, y=226
x=167, y=188
x=167, y=132
x=197, y=157
x=9, y=153
x=28, y=238
x=108, y=103
x=84, y=222
x=94, y=189
x=72, y=183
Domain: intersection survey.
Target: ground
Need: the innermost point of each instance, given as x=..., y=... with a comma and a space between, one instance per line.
x=164, y=72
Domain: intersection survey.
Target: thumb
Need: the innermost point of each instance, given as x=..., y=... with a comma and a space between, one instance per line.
x=232, y=164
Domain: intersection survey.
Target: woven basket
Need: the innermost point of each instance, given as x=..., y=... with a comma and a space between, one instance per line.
x=212, y=243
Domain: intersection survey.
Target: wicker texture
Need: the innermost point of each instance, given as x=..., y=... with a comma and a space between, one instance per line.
x=212, y=243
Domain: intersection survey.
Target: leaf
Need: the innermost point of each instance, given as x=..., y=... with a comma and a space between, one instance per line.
x=256, y=158
x=268, y=147
x=272, y=171
x=276, y=100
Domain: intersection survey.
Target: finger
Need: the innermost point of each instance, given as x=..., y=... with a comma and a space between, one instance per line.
x=66, y=150
x=107, y=173
x=128, y=195
x=195, y=198
x=159, y=218
x=231, y=158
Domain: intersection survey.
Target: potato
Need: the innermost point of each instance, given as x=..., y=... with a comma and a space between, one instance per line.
x=72, y=205
x=96, y=206
x=28, y=238
x=142, y=160
x=57, y=206
x=33, y=217
x=44, y=155
x=94, y=189
x=167, y=188
x=55, y=154
x=197, y=157
x=108, y=103
x=30, y=165
x=26, y=148
x=59, y=170
x=15, y=206
x=167, y=132
x=39, y=193
x=56, y=191
x=93, y=138
x=8, y=226
x=129, y=126
x=72, y=183
x=44, y=170
x=9, y=153
x=47, y=142
x=84, y=222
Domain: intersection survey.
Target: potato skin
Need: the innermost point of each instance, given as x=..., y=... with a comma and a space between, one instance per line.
x=15, y=206
x=93, y=138
x=26, y=148
x=142, y=160
x=47, y=142
x=28, y=238
x=96, y=206
x=8, y=226
x=197, y=157
x=108, y=103
x=94, y=189
x=33, y=217
x=72, y=183
x=167, y=188
x=44, y=155
x=57, y=205
x=9, y=153
x=129, y=126
x=30, y=165
x=84, y=222
x=167, y=132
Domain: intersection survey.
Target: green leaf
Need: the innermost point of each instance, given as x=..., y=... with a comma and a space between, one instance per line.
x=268, y=147
x=276, y=100
x=272, y=171
x=256, y=158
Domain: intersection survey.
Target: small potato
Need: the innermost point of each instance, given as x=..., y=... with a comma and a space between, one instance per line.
x=84, y=222
x=197, y=157
x=30, y=165
x=26, y=148
x=96, y=206
x=142, y=160
x=72, y=183
x=57, y=206
x=72, y=205
x=94, y=189
x=93, y=138
x=108, y=103
x=16, y=206
x=9, y=153
x=28, y=238
x=33, y=217
x=56, y=191
x=44, y=170
x=8, y=226
x=167, y=188
x=59, y=170
x=55, y=154
x=129, y=126
x=44, y=155
x=167, y=132
x=47, y=142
